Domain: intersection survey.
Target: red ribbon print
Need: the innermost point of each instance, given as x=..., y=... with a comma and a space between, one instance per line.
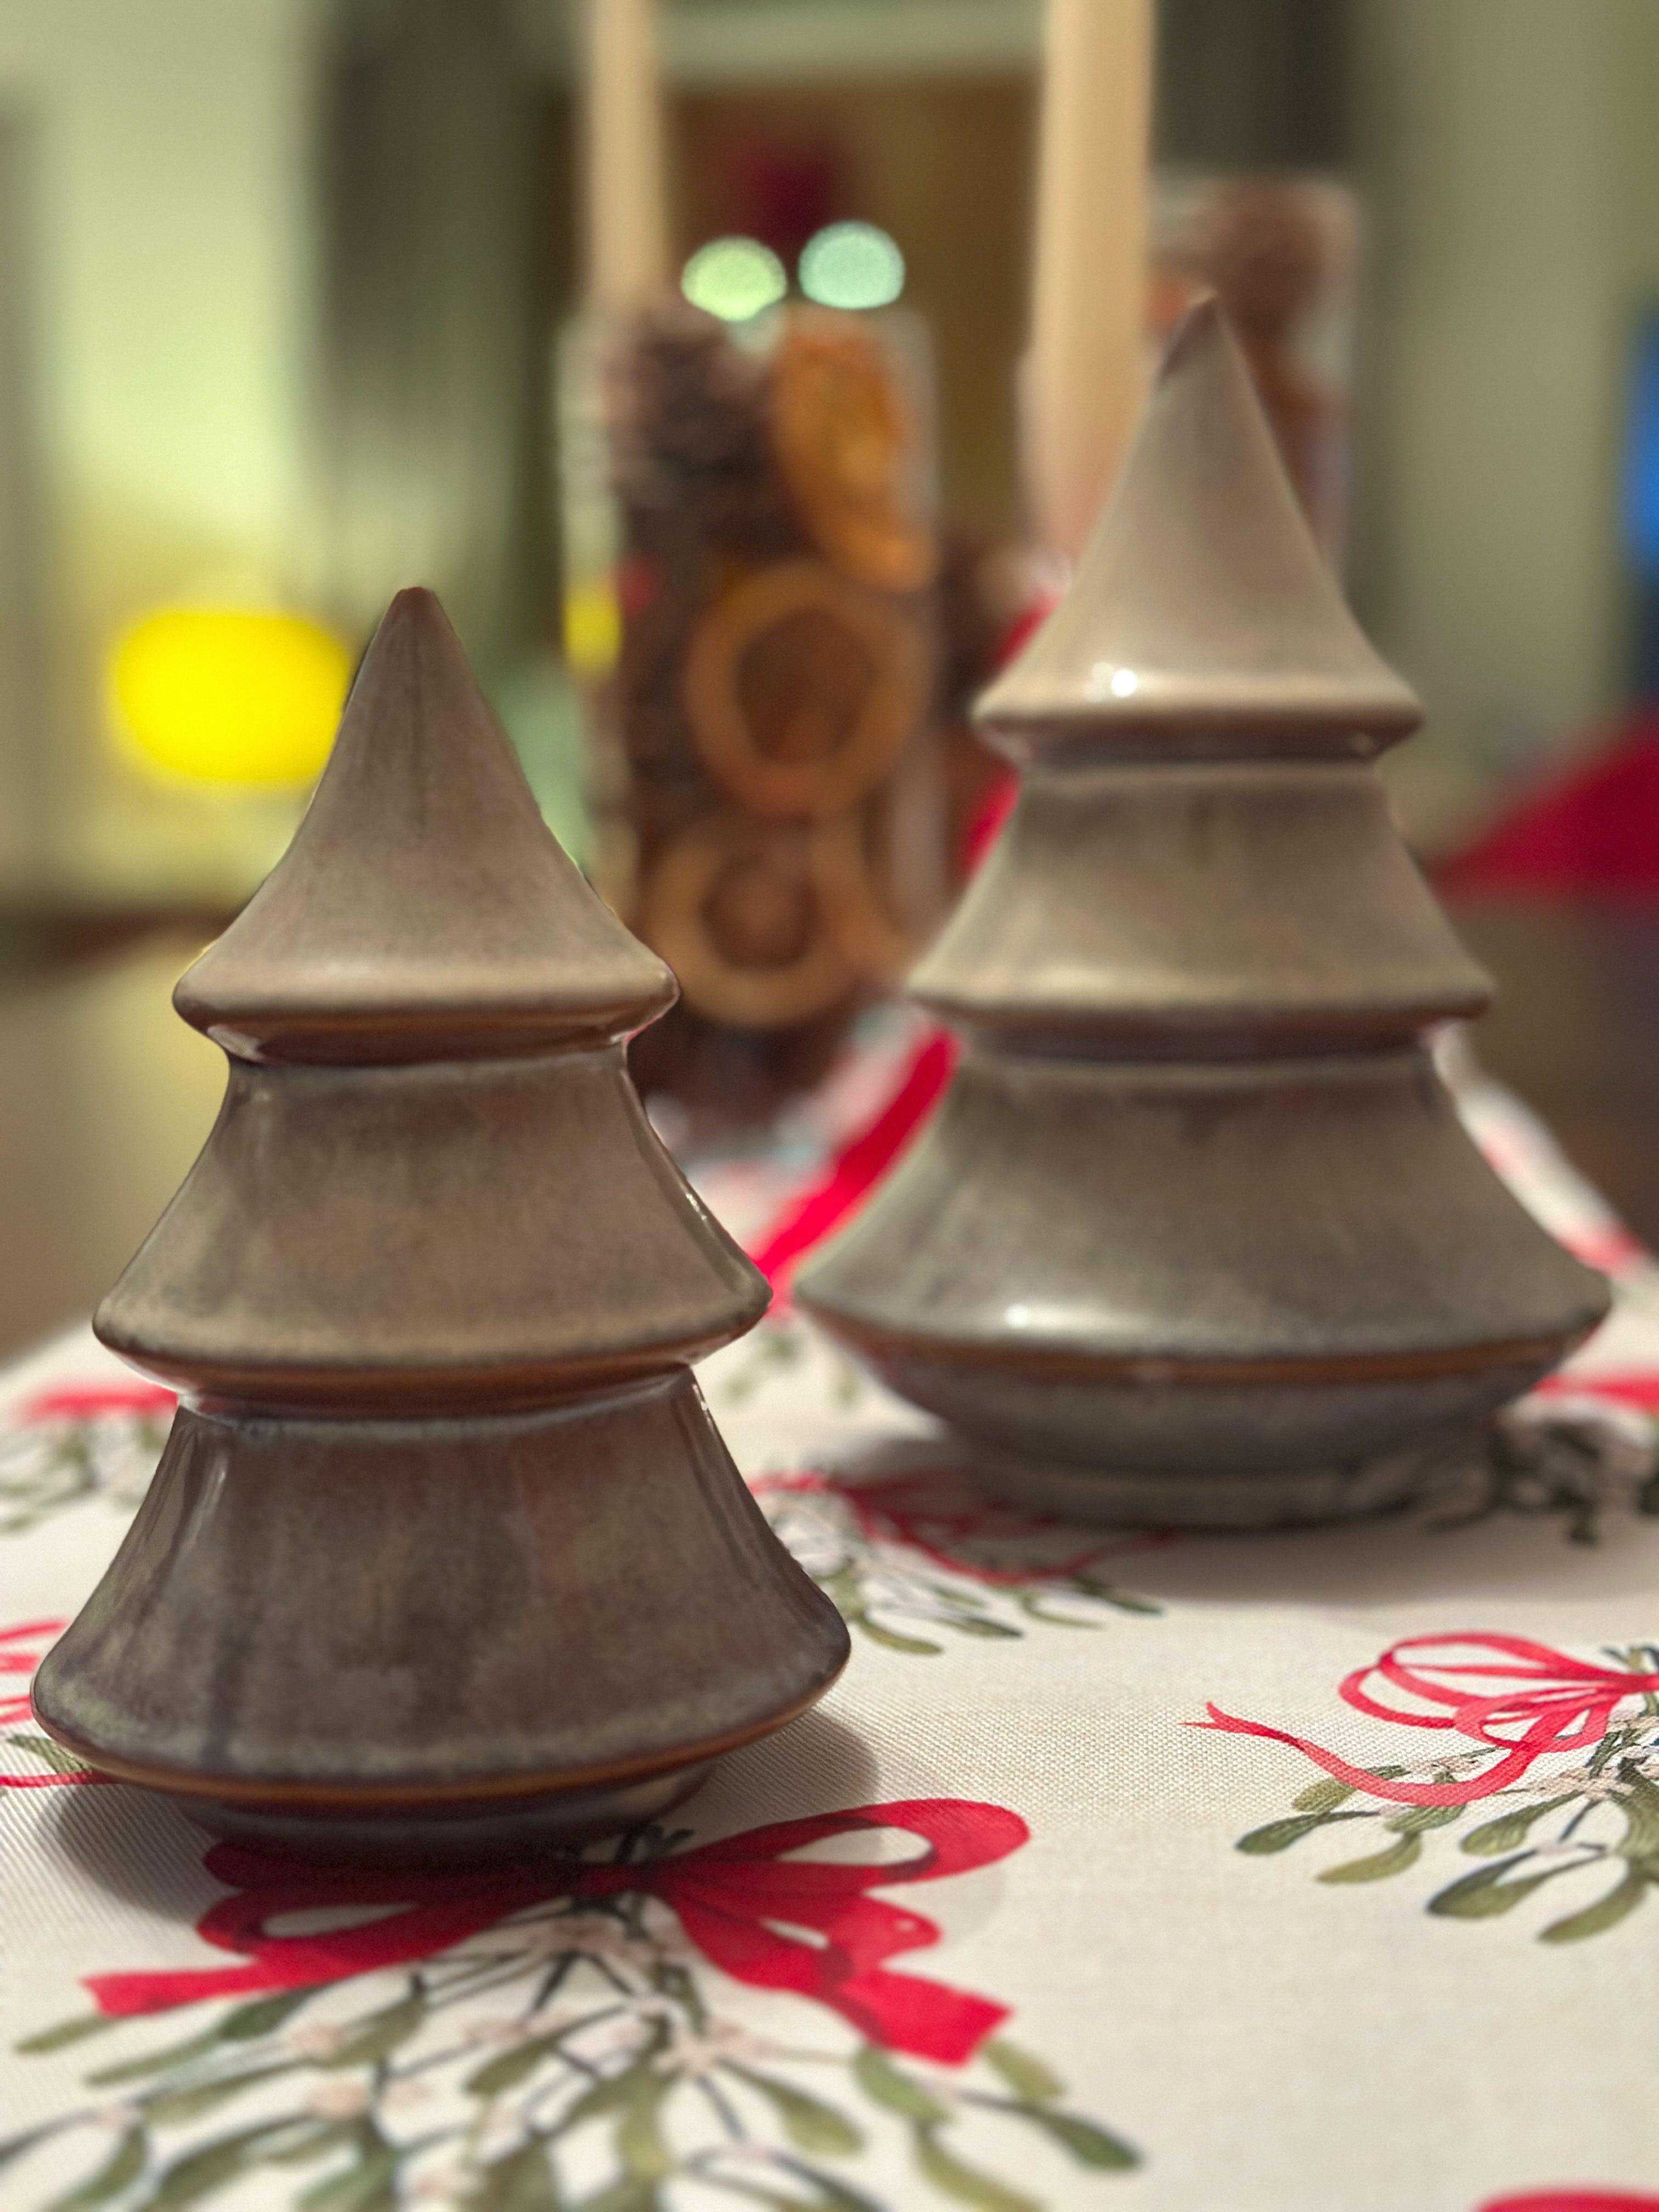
x=1636, y=1386
x=744, y=1902
x=21, y=1650
x=928, y=1512
x=90, y=1401
x=1574, y=2200
x=1505, y=1694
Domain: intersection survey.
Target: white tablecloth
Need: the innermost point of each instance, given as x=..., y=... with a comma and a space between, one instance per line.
x=1301, y=1873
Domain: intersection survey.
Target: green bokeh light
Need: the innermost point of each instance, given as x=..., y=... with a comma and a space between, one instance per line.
x=733, y=278
x=852, y=265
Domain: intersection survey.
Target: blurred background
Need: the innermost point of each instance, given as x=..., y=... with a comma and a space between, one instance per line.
x=287, y=296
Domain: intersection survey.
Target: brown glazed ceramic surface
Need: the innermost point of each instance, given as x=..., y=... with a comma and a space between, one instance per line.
x=444, y=1555
x=1197, y=1234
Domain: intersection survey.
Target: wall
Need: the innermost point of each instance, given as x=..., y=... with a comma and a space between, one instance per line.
x=1512, y=167
x=170, y=221
x=1506, y=149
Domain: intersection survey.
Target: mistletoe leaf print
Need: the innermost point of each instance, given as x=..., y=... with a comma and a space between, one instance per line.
x=1560, y=1752
x=781, y=1351
x=1607, y=1912
x=911, y=1556
x=1564, y=1455
x=63, y=1448
x=566, y=2036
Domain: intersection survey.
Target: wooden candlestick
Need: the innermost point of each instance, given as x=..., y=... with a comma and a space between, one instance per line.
x=1085, y=374
x=444, y=1554
x=628, y=251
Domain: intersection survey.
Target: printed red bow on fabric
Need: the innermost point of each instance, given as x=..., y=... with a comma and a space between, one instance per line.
x=21, y=1650
x=88, y=1401
x=1631, y=1385
x=745, y=1903
x=933, y=1513
x=1505, y=1694
x=1574, y=2200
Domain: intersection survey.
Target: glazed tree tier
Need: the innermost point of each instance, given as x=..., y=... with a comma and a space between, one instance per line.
x=1225, y=907
x=1203, y=620
x=1202, y=1266
x=339, y=1616
x=425, y=1237
x=422, y=911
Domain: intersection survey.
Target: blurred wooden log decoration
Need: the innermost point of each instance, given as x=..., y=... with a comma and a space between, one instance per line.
x=735, y=909
x=776, y=672
x=802, y=690
x=772, y=662
x=1085, y=374
x=857, y=881
x=847, y=452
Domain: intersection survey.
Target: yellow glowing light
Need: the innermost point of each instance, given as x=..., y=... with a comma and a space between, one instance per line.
x=592, y=629
x=227, y=694
x=734, y=278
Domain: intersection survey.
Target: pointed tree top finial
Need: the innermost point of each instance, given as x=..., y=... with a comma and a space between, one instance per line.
x=423, y=911
x=1202, y=609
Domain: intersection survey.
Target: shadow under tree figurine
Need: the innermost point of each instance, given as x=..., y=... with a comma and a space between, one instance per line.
x=444, y=1554
x=1197, y=1235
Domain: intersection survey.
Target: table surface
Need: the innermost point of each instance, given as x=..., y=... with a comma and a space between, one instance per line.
x=1297, y=1872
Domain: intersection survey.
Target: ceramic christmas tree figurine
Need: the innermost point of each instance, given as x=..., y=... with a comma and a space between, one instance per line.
x=444, y=1550
x=1197, y=1233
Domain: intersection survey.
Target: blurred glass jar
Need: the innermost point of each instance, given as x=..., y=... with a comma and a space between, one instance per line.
x=1281, y=251
x=752, y=597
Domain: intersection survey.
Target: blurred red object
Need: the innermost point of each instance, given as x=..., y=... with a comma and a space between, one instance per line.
x=861, y=1164
x=783, y=191
x=1589, y=833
